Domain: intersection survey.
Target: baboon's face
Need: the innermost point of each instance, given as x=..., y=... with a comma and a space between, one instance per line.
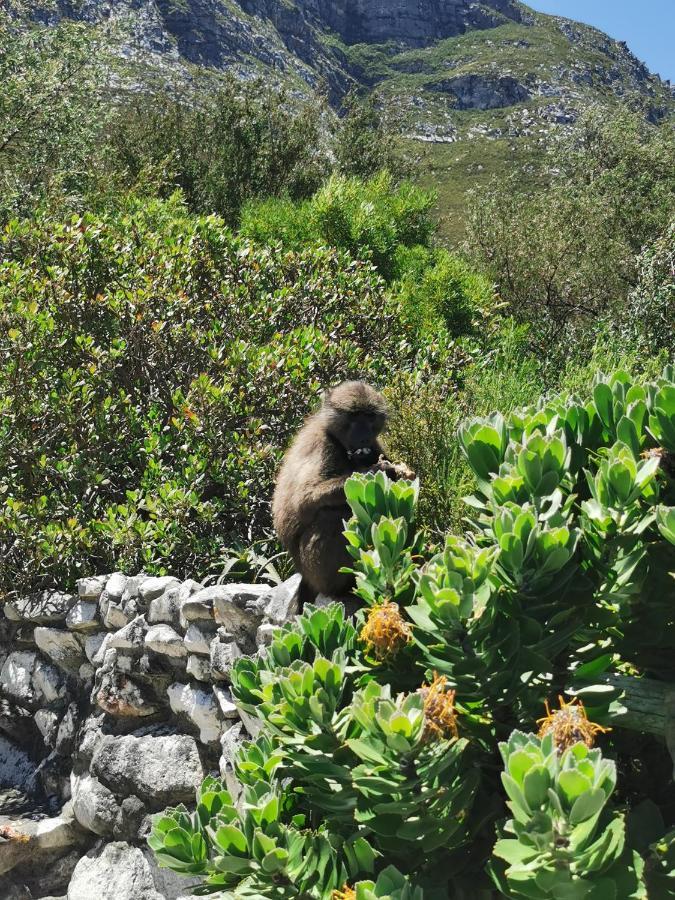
x=357, y=430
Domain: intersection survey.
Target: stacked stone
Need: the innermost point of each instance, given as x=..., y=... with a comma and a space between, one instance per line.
x=114, y=703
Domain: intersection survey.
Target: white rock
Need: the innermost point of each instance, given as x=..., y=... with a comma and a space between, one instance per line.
x=163, y=639
x=91, y=588
x=153, y=587
x=86, y=672
x=43, y=608
x=116, y=871
x=114, y=615
x=198, y=667
x=223, y=656
x=251, y=723
x=198, y=637
x=99, y=655
x=225, y=701
x=93, y=643
x=131, y=636
x=47, y=836
x=162, y=769
x=31, y=681
x=200, y=707
x=284, y=602
x=47, y=722
x=94, y=806
x=265, y=633
x=83, y=616
x=115, y=585
x=62, y=647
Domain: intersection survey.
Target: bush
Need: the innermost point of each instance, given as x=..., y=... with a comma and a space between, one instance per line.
x=650, y=316
x=404, y=739
x=50, y=113
x=153, y=369
x=371, y=220
x=221, y=148
x=566, y=256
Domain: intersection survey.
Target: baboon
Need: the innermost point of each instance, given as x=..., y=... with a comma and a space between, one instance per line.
x=309, y=503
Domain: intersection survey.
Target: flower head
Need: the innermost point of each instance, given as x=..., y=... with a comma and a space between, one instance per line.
x=346, y=893
x=439, y=709
x=386, y=631
x=569, y=725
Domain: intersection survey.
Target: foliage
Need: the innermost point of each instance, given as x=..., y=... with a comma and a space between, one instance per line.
x=650, y=315
x=227, y=146
x=364, y=139
x=371, y=219
x=153, y=367
x=567, y=255
x=49, y=112
x=381, y=736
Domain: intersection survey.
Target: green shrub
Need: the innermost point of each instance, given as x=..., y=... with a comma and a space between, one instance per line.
x=566, y=256
x=650, y=316
x=371, y=219
x=380, y=739
x=154, y=368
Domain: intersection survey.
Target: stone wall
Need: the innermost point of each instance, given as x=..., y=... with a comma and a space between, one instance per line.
x=114, y=703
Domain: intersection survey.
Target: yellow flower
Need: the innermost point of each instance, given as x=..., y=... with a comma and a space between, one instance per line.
x=569, y=725
x=386, y=631
x=346, y=893
x=439, y=709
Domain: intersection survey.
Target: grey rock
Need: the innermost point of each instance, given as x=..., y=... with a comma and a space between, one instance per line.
x=230, y=742
x=222, y=657
x=114, y=615
x=198, y=637
x=131, y=636
x=67, y=730
x=150, y=588
x=38, y=838
x=264, y=634
x=251, y=723
x=93, y=644
x=283, y=603
x=164, y=640
x=115, y=871
x=17, y=770
x=227, y=705
x=170, y=885
x=47, y=722
x=200, y=706
x=91, y=588
x=115, y=585
x=162, y=769
x=239, y=608
x=44, y=608
x=199, y=667
x=94, y=806
x=31, y=681
x=117, y=694
x=62, y=647
x=83, y=616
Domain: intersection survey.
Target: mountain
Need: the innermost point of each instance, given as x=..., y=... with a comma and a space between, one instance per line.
x=473, y=86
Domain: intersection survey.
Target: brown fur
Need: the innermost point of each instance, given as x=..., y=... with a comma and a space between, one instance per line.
x=309, y=503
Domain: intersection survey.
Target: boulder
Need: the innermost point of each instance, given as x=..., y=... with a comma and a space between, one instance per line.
x=240, y=608
x=93, y=644
x=91, y=588
x=150, y=588
x=94, y=806
x=27, y=840
x=115, y=871
x=83, y=616
x=160, y=769
x=222, y=656
x=199, y=667
x=227, y=705
x=62, y=647
x=131, y=636
x=166, y=608
x=31, y=681
x=199, y=636
x=283, y=603
x=200, y=706
x=164, y=640
x=114, y=615
x=45, y=608
x=115, y=585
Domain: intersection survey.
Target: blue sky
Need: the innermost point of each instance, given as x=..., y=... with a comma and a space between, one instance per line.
x=647, y=26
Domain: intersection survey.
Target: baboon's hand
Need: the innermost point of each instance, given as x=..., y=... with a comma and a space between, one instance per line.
x=395, y=471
